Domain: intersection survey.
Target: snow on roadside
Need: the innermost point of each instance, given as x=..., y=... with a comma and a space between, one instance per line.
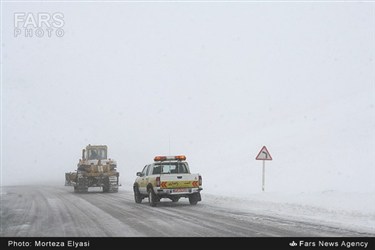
x=352, y=211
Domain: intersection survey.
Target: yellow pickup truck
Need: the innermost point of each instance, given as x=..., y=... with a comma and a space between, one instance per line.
x=168, y=177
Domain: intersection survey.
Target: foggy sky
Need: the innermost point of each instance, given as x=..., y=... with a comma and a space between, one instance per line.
x=213, y=81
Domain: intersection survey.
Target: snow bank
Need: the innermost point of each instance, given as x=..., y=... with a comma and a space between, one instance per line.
x=353, y=211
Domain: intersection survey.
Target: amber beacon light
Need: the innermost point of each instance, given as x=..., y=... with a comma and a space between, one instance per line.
x=166, y=158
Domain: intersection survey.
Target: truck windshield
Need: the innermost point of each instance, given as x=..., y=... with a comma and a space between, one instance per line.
x=97, y=154
x=170, y=168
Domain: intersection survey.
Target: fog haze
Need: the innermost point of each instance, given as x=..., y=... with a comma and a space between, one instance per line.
x=213, y=81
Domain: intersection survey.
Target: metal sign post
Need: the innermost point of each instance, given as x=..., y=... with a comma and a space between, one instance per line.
x=264, y=155
x=264, y=174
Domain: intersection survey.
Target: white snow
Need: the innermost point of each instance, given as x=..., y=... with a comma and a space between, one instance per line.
x=338, y=209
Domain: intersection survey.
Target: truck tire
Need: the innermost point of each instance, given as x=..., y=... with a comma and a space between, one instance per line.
x=193, y=199
x=152, y=199
x=137, y=195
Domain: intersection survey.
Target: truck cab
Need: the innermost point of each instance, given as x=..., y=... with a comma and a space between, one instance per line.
x=96, y=152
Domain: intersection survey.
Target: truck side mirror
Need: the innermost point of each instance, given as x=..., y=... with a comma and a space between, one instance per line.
x=139, y=174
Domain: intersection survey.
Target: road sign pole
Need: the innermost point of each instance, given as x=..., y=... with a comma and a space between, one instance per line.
x=264, y=155
x=264, y=173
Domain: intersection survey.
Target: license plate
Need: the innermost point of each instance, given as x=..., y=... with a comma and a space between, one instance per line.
x=180, y=190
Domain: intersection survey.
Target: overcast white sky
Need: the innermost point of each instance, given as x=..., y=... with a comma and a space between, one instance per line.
x=217, y=80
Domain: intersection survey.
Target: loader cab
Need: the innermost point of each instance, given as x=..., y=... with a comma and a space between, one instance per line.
x=96, y=152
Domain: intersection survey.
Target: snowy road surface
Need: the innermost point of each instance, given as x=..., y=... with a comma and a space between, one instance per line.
x=57, y=211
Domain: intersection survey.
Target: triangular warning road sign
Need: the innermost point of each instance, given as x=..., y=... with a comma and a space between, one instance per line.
x=264, y=155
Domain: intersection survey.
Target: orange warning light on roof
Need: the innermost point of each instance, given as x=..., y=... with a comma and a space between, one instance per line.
x=180, y=157
x=160, y=158
x=166, y=158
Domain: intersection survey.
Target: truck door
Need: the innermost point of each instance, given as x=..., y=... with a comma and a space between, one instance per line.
x=143, y=181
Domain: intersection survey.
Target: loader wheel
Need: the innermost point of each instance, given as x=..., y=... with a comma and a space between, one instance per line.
x=82, y=185
x=110, y=185
x=137, y=195
x=152, y=199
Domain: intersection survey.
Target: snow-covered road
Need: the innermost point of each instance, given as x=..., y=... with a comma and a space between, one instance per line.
x=42, y=211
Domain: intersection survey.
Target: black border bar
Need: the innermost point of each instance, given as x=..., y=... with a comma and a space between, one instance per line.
x=212, y=242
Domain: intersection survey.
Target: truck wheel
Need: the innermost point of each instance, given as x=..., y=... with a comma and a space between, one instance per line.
x=152, y=199
x=193, y=199
x=137, y=195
